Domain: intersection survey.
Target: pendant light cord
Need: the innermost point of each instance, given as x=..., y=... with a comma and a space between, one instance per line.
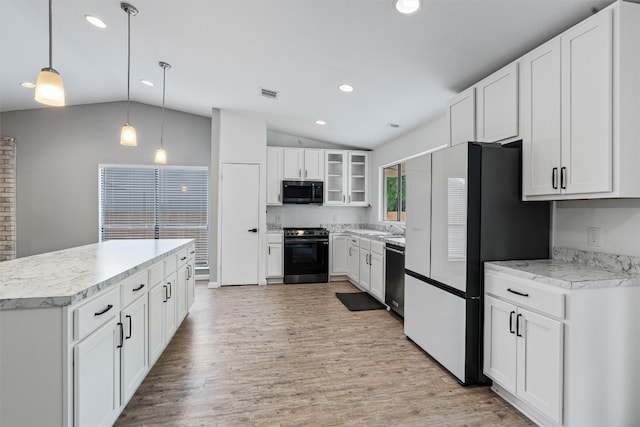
x=128, y=61
x=50, y=35
x=164, y=85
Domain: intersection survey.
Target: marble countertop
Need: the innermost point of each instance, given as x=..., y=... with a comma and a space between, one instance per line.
x=382, y=236
x=564, y=274
x=68, y=276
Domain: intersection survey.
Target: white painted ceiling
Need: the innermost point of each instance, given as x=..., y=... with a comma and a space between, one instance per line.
x=403, y=68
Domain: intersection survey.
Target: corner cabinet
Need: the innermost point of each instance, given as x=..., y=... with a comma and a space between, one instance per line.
x=346, y=178
x=275, y=170
x=461, y=117
x=580, y=110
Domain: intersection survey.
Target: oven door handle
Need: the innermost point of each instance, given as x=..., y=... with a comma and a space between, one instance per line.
x=306, y=240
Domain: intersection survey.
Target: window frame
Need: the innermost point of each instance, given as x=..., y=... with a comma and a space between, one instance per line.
x=401, y=171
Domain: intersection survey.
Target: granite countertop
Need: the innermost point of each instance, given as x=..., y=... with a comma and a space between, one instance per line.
x=567, y=275
x=65, y=277
x=381, y=236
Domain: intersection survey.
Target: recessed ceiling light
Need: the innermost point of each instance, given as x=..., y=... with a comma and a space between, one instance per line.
x=146, y=82
x=321, y=122
x=28, y=85
x=407, y=7
x=346, y=87
x=95, y=21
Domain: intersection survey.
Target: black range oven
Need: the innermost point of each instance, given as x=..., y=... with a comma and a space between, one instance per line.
x=306, y=255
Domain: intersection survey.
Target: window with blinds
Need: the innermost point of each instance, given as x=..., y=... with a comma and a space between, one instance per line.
x=150, y=202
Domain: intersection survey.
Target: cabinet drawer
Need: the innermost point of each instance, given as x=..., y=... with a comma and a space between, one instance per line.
x=354, y=241
x=182, y=257
x=170, y=264
x=377, y=247
x=525, y=293
x=133, y=287
x=274, y=238
x=156, y=274
x=95, y=313
x=365, y=244
x=191, y=252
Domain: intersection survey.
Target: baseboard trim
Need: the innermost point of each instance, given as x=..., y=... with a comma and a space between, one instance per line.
x=213, y=285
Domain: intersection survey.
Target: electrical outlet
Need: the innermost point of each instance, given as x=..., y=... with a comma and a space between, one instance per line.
x=277, y=219
x=334, y=218
x=359, y=218
x=593, y=237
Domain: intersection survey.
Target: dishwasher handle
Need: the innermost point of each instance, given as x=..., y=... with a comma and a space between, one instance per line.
x=387, y=248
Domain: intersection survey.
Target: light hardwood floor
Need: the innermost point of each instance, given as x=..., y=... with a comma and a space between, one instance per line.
x=293, y=355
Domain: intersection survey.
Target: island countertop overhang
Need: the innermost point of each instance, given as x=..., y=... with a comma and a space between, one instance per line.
x=65, y=277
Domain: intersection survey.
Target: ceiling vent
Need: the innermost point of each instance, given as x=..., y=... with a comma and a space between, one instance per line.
x=267, y=93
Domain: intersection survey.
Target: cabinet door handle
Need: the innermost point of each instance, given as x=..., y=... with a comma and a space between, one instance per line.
x=138, y=288
x=165, y=293
x=252, y=230
x=269, y=250
x=344, y=198
x=170, y=290
x=511, y=322
x=121, y=335
x=554, y=178
x=100, y=313
x=299, y=173
x=278, y=197
x=130, y=326
x=349, y=198
x=517, y=292
x=305, y=173
x=518, y=325
x=563, y=178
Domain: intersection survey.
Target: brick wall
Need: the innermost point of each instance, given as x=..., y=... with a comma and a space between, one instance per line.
x=7, y=198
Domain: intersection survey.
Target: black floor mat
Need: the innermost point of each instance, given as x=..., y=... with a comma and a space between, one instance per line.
x=359, y=301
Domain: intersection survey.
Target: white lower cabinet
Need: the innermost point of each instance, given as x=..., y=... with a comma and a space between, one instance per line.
x=364, y=281
x=134, y=358
x=96, y=376
x=275, y=256
x=524, y=353
x=376, y=263
x=339, y=249
x=353, y=259
x=157, y=299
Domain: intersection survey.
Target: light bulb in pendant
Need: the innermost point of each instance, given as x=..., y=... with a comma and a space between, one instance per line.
x=161, y=156
x=128, y=136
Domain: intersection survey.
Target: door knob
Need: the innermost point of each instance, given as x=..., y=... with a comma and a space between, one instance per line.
x=252, y=230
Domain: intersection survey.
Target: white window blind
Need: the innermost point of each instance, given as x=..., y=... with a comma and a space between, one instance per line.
x=147, y=202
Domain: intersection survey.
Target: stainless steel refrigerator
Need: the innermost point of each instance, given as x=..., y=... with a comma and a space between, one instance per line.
x=475, y=214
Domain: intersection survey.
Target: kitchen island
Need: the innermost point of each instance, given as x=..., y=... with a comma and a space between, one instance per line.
x=80, y=328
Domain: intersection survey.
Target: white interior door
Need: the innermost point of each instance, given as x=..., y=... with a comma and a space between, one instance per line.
x=239, y=213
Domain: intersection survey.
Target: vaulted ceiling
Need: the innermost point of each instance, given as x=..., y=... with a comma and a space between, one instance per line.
x=403, y=67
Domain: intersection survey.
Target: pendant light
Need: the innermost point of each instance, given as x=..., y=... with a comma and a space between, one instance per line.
x=161, y=153
x=128, y=133
x=49, y=87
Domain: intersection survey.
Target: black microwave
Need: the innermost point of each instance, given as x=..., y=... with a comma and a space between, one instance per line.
x=302, y=192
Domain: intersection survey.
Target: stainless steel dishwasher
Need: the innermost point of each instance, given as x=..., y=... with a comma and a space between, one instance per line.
x=394, y=278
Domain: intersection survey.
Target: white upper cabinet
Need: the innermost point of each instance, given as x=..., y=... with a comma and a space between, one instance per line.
x=461, y=117
x=541, y=124
x=275, y=170
x=497, y=105
x=346, y=178
x=303, y=164
x=587, y=109
x=580, y=112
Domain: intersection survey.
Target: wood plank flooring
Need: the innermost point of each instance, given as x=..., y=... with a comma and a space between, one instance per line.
x=293, y=355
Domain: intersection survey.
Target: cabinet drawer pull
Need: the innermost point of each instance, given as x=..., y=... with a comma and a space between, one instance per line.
x=554, y=178
x=138, y=288
x=100, y=313
x=517, y=293
x=511, y=322
x=183, y=258
x=130, y=326
x=518, y=325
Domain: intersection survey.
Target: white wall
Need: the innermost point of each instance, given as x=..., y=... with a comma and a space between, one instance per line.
x=618, y=220
x=243, y=139
x=428, y=137
x=58, y=152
